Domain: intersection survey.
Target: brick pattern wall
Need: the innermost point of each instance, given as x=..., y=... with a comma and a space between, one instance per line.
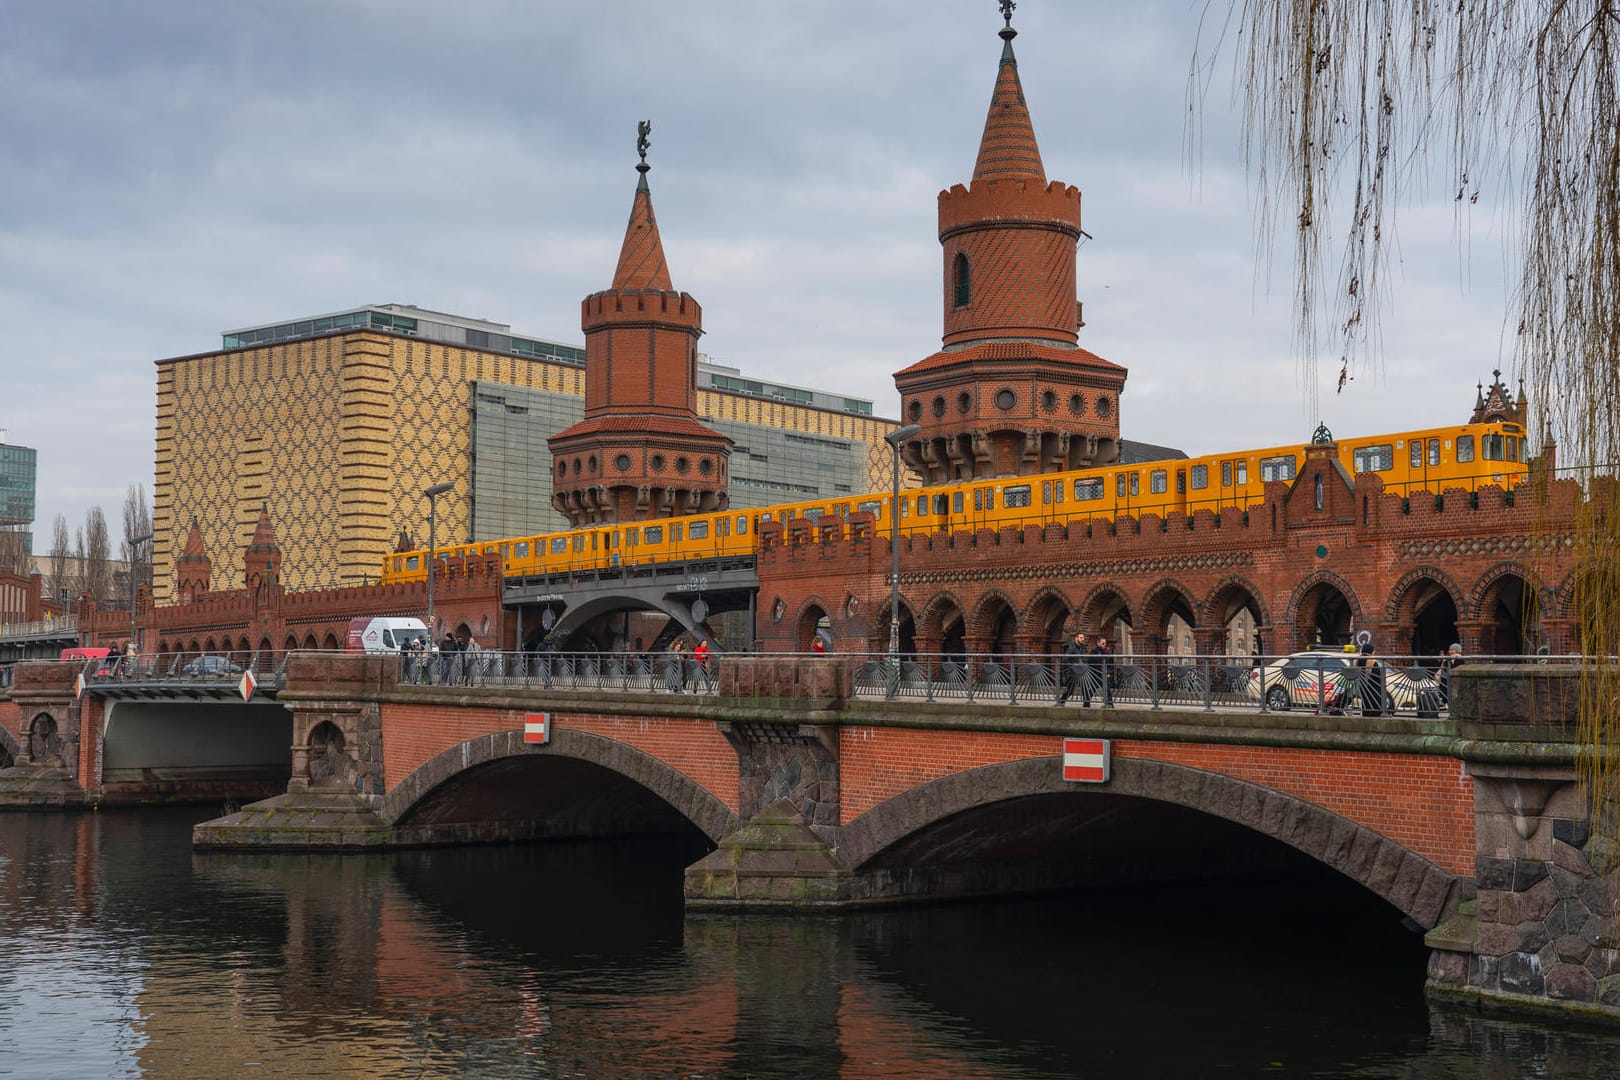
x=1425, y=803
x=876, y=764
x=412, y=734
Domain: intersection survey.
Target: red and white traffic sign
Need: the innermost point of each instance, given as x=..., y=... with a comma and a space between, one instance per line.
x=537, y=727
x=247, y=684
x=1086, y=760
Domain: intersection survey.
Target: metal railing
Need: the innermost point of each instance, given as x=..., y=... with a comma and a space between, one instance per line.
x=268, y=666
x=628, y=672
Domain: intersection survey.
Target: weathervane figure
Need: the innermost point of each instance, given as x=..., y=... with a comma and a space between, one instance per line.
x=643, y=129
x=1007, y=10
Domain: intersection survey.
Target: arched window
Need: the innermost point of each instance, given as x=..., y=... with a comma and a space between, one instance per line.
x=963, y=281
x=1319, y=491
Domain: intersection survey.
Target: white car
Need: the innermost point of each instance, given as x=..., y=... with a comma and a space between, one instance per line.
x=1292, y=680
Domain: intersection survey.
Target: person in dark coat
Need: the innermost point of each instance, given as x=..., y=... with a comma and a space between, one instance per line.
x=1102, y=662
x=1076, y=659
x=447, y=654
x=1372, y=683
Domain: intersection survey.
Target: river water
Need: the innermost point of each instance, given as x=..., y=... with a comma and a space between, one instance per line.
x=125, y=954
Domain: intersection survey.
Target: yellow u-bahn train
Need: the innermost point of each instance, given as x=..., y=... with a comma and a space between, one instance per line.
x=1466, y=456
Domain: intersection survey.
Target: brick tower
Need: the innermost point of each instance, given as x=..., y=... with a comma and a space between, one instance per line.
x=640, y=451
x=1011, y=392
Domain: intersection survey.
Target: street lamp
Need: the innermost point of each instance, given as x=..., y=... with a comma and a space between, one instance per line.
x=432, y=494
x=135, y=543
x=894, y=439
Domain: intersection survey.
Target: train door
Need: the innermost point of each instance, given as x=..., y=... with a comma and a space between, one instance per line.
x=1127, y=490
x=1054, y=502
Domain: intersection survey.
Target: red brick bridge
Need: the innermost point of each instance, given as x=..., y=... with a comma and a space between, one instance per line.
x=1471, y=826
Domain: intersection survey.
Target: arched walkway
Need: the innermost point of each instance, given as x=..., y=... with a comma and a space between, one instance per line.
x=1322, y=611
x=1409, y=882
x=1508, y=605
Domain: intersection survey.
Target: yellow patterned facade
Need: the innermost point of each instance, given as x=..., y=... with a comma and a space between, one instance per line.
x=337, y=436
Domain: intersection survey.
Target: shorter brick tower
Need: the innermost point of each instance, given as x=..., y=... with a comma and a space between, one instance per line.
x=1011, y=392
x=640, y=451
x=193, y=569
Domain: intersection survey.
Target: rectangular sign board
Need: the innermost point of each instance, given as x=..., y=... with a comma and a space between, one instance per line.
x=1086, y=760
x=537, y=727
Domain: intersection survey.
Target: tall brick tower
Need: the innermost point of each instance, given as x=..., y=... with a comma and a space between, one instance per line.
x=1011, y=392
x=640, y=451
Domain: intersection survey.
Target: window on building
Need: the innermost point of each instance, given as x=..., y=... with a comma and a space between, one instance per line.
x=963, y=290
x=1465, y=448
x=1158, y=481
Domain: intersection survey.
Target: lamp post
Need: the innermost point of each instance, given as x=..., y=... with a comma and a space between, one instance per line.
x=432, y=494
x=894, y=439
x=135, y=543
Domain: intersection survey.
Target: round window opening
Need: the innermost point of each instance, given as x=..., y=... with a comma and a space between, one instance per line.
x=658, y=463
x=591, y=461
x=964, y=402
x=914, y=409
x=1048, y=401
x=622, y=462
x=562, y=468
x=577, y=468
x=705, y=466
x=1077, y=404
x=681, y=465
x=1103, y=406
x=1005, y=399
x=939, y=406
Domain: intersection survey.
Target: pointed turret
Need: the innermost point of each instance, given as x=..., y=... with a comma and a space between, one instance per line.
x=640, y=452
x=193, y=569
x=1011, y=392
x=261, y=561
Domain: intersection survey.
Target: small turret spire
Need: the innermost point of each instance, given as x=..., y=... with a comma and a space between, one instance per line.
x=1008, y=149
x=641, y=259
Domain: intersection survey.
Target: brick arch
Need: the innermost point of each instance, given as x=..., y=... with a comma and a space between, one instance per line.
x=1411, y=883
x=987, y=610
x=686, y=796
x=1086, y=611
x=1309, y=582
x=1037, y=618
x=1480, y=594
x=1159, y=601
x=1215, y=603
x=804, y=627
x=931, y=620
x=1399, y=608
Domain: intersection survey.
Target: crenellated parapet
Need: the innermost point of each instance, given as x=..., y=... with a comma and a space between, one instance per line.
x=630, y=307
x=1000, y=203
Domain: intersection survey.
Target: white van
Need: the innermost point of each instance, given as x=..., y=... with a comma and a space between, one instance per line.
x=384, y=633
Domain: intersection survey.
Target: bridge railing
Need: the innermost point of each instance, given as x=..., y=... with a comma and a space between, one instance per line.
x=1323, y=682
x=628, y=672
x=268, y=666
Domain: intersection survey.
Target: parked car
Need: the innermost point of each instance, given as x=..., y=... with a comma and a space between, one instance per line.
x=1293, y=680
x=211, y=665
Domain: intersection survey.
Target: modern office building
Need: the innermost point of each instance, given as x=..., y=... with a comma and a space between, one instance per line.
x=19, y=467
x=337, y=423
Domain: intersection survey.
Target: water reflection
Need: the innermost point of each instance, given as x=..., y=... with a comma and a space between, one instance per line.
x=128, y=955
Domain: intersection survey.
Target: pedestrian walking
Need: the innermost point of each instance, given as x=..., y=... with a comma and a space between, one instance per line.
x=1075, y=655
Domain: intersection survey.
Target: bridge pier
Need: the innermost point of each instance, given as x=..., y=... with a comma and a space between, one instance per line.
x=47, y=764
x=1542, y=933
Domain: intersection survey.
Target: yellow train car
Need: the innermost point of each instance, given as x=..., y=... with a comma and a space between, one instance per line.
x=1468, y=456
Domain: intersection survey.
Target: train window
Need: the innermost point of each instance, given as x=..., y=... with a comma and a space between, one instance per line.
x=1417, y=453
x=1060, y=493
x=922, y=505
x=873, y=508
x=1379, y=458
x=742, y=525
x=1490, y=445
x=675, y=533
x=813, y=513
x=990, y=498
x=722, y=526
x=1226, y=474
x=1200, y=477
x=1119, y=484
x=559, y=545
x=1046, y=492
x=594, y=541
x=632, y=537
x=1434, y=451
x=1243, y=472
x=1136, y=483
x=1513, y=448
x=698, y=530
x=956, y=502
x=579, y=542
x=1158, y=481
x=978, y=498
x=942, y=505
x=1089, y=490
x=655, y=534
x=1016, y=496
x=521, y=549
x=1465, y=448
x=1277, y=468
x=413, y=562
x=1181, y=481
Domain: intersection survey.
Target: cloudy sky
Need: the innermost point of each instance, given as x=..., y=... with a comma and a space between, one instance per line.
x=175, y=168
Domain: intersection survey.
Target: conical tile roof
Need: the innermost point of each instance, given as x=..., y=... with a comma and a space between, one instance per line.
x=641, y=259
x=1008, y=150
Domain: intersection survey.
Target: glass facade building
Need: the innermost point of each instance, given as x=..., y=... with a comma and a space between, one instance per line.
x=18, y=470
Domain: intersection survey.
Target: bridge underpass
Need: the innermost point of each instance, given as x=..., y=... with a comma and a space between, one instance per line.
x=172, y=750
x=574, y=608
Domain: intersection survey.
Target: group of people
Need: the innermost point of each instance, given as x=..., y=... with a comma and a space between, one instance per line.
x=419, y=664
x=1087, y=667
x=682, y=667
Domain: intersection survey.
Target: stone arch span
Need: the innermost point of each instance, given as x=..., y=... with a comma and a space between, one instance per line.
x=689, y=799
x=1407, y=881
